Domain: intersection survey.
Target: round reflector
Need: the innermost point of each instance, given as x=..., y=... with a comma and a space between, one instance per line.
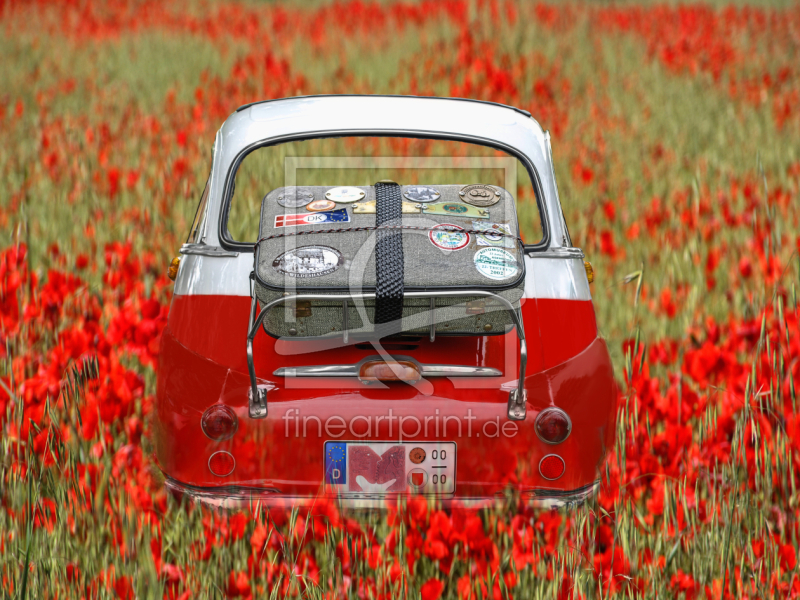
x=219, y=422
x=552, y=425
x=221, y=463
x=551, y=466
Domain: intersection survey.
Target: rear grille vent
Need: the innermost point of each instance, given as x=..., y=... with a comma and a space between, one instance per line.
x=389, y=347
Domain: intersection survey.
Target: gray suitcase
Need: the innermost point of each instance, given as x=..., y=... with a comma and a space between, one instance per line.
x=449, y=249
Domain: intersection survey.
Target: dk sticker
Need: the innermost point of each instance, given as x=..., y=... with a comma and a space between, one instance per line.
x=333, y=216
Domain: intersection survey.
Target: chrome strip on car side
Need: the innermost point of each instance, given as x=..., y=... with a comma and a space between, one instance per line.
x=559, y=253
x=352, y=371
x=203, y=249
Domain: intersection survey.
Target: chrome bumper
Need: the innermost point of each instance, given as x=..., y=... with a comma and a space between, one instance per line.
x=237, y=497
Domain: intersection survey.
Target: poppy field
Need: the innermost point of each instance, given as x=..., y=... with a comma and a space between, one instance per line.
x=676, y=139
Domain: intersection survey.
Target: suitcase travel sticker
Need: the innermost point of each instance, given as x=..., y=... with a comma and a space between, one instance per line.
x=496, y=263
x=491, y=237
x=448, y=237
x=308, y=261
x=333, y=216
x=454, y=209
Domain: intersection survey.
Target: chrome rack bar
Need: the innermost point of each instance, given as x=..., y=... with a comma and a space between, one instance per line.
x=345, y=321
x=258, y=397
x=433, y=320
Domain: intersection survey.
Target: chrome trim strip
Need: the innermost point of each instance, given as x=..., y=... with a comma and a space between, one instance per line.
x=203, y=249
x=459, y=371
x=559, y=253
x=352, y=371
x=317, y=371
x=567, y=239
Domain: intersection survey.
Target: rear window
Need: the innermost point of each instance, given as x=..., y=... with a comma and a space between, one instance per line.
x=315, y=176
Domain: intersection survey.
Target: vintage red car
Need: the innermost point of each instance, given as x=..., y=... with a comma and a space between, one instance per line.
x=379, y=297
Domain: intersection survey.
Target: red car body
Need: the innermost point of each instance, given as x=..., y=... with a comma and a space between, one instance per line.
x=280, y=459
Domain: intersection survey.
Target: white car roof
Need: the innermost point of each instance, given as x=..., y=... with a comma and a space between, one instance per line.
x=306, y=116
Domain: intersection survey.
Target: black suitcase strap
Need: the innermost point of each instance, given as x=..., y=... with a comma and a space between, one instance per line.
x=389, y=274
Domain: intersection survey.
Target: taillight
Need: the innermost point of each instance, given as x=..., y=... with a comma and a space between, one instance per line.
x=221, y=463
x=552, y=425
x=551, y=466
x=219, y=423
x=378, y=370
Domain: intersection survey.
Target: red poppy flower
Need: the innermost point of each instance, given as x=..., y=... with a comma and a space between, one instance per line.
x=432, y=589
x=788, y=556
x=238, y=585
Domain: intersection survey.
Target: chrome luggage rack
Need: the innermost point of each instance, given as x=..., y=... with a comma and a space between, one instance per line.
x=258, y=395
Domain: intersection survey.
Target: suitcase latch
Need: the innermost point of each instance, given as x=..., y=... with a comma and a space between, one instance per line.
x=476, y=307
x=302, y=308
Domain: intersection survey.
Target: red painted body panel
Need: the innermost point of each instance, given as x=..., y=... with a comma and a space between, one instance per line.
x=203, y=362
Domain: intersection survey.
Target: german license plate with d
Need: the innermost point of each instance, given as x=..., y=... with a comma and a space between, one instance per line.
x=358, y=468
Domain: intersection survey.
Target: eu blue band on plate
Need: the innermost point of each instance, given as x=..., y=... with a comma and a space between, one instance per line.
x=336, y=462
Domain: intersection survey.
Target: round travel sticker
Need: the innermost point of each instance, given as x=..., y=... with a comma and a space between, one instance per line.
x=448, y=237
x=496, y=263
x=293, y=198
x=320, y=205
x=308, y=261
x=421, y=193
x=345, y=194
x=480, y=195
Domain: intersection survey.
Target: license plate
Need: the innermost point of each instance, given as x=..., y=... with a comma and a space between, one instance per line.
x=358, y=469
